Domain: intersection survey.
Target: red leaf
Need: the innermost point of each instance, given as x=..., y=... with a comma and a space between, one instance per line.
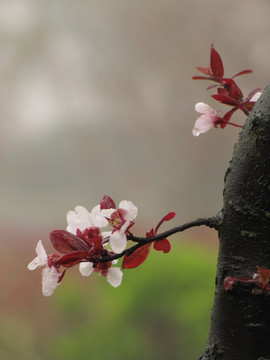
x=205, y=70
x=107, y=203
x=234, y=91
x=225, y=99
x=200, y=78
x=226, y=118
x=228, y=115
x=169, y=216
x=136, y=258
x=150, y=233
x=216, y=63
x=242, y=73
x=223, y=91
x=71, y=259
x=162, y=245
x=66, y=242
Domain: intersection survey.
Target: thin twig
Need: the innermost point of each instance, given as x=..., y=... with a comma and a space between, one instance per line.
x=212, y=222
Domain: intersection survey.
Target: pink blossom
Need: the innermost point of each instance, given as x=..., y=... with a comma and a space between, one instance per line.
x=208, y=118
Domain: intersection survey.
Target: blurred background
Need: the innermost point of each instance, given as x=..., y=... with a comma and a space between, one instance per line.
x=96, y=98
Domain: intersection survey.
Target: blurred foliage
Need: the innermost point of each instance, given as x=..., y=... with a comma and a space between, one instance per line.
x=161, y=311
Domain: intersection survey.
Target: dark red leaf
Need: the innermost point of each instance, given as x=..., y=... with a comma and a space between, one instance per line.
x=150, y=233
x=162, y=245
x=225, y=99
x=169, y=216
x=71, y=259
x=137, y=257
x=242, y=73
x=226, y=118
x=91, y=236
x=107, y=203
x=223, y=91
x=200, y=78
x=66, y=242
x=228, y=115
x=216, y=63
x=233, y=90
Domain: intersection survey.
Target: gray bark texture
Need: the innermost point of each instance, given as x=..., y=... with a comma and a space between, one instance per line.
x=240, y=321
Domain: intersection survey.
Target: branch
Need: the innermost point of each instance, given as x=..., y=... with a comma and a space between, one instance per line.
x=212, y=222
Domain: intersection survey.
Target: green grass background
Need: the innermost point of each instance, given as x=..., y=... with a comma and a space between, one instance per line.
x=161, y=311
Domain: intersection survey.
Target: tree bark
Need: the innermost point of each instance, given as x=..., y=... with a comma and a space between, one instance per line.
x=240, y=321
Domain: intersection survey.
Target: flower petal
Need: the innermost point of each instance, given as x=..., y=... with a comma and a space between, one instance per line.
x=118, y=242
x=131, y=210
x=81, y=218
x=106, y=234
x=114, y=276
x=203, y=108
x=78, y=219
x=86, y=268
x=255, y=97
x=98, y=216
x=50, y=277
x=202, y=125
x=41, y=259
x=207, y=119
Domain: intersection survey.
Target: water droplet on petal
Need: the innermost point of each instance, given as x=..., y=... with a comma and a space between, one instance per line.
x=195, y=132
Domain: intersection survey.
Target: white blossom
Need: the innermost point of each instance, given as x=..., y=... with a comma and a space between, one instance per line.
x=114, y=276
x=81, y=218
x=118, y=239
x=86, y=268
x=50, y=275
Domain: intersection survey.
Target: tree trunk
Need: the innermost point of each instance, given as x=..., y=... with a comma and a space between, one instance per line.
x=240, y=324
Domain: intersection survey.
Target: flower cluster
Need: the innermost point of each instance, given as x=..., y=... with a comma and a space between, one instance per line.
x=84, y=244
x=260, y=278
x=227, y=93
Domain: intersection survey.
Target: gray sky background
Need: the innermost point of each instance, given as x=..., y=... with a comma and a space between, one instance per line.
x=96, y=97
